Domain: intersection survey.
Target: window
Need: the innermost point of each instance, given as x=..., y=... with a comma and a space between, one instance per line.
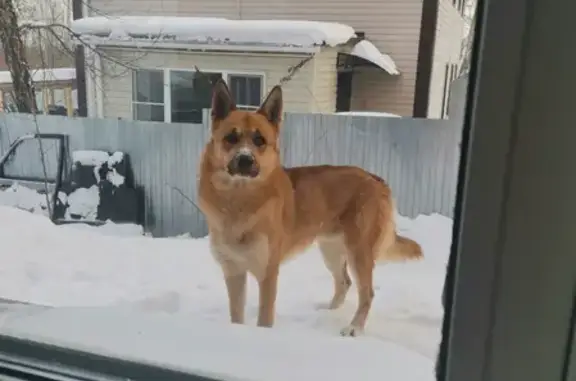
x=450, y=74
x=190, y=93
x=247, y=90
x=148, y=95
x=9, y=104
x=39, y=94
x=187, y=93
x=27, y=160
x=59, y=97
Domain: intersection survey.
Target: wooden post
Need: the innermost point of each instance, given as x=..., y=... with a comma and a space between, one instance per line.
x=68, y=100
x=46, y=93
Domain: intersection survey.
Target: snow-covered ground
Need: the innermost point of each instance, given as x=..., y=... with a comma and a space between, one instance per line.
x=84, y=202
x=24, y=198
x=159, y=278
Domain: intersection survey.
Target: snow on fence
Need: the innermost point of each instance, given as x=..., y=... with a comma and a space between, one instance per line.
x=418, y=157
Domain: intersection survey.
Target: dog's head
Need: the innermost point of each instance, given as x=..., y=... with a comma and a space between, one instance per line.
x=244, y=144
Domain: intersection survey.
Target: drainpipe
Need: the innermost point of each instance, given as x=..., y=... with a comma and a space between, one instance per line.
x=80, y=63
x=89, y=58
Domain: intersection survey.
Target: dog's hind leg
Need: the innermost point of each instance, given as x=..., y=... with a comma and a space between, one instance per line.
x=334, y=253
x=362, y=264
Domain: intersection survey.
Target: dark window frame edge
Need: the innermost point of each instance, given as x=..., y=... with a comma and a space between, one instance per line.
x=57, y=361
x=489, y=327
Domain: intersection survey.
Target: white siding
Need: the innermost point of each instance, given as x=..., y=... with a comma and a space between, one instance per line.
x=392, y=25
x=447, y=50
x=200, y=8
x=325, y=78
x=299, y=95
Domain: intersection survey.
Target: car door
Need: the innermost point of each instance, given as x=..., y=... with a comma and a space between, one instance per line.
x=31, y=172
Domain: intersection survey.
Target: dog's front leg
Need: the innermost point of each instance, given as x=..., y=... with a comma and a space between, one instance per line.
x=236, y=285
x=235, y=278
x=268, y=289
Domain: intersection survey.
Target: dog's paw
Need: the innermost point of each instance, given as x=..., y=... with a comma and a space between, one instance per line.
x=324, y=306
x=351, y=331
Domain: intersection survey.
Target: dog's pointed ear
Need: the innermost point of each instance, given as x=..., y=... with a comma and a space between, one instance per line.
x=222, y=101
x=272, y=106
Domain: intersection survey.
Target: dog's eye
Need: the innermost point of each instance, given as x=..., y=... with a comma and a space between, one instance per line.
x=258, y=139
x=232, y=138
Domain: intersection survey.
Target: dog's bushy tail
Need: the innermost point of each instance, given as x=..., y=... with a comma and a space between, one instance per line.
x=404, y=249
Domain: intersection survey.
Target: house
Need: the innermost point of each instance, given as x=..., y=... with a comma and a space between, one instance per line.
x=54, y=88
x=162, y=68
x=54, y=79
x=400, y=55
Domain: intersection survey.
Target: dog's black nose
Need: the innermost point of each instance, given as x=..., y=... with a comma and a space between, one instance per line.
x=245, y=163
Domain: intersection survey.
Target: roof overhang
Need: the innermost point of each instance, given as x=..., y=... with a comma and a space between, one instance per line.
x=237, y=48
x=367, y=52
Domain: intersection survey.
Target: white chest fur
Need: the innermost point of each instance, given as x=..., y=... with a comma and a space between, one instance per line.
x=239, y=255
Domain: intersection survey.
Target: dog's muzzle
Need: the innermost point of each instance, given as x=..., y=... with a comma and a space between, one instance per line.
x=243, y=164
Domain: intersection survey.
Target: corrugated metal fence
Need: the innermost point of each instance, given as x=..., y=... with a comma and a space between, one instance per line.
x=418, y=157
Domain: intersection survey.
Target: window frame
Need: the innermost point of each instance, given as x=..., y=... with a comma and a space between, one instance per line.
x=167, y=86
x=445, y=90
x=168, y=89
x=12, y=150
x=133, y=102
x=499, y=309
x=24, y=359
x=53, y=185
x=450, y=75
x=491, y=334
x=262, y=88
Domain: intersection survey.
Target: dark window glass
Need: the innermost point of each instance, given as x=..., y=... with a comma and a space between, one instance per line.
x=190, y=93
x=148, y=86
x=246, y=89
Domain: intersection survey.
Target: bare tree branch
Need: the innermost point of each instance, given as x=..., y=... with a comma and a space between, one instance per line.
x=467, y=44
x=292, y=70
x=14, y=52
x=22, y=85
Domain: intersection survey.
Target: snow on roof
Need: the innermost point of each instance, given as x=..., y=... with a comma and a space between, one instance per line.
x=369, y=113
x=213, y=31
x=368, y=51
x=44, y=75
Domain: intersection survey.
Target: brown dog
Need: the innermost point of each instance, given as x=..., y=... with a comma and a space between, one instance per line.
x=260, y=214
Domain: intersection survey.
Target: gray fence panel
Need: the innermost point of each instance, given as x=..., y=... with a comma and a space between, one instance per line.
x=417, y=157
x=164, y=159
